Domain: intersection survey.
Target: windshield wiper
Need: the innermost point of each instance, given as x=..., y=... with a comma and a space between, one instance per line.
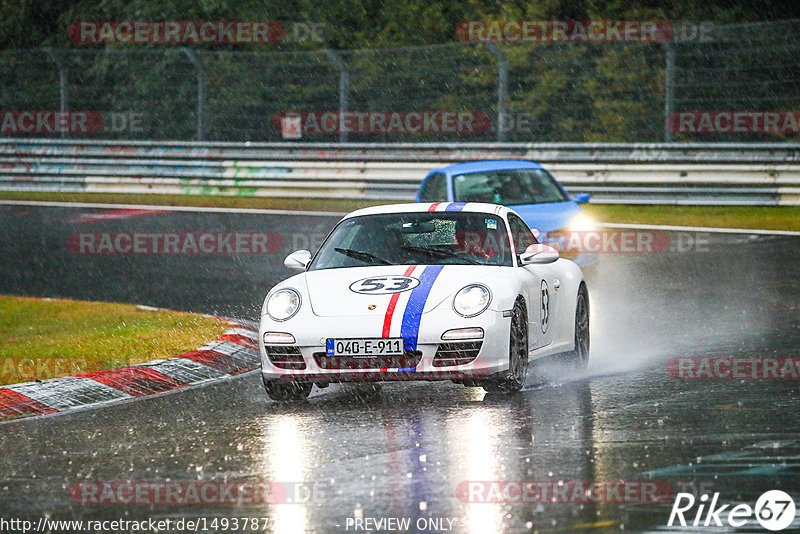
x=361, y=255
x=443, y=253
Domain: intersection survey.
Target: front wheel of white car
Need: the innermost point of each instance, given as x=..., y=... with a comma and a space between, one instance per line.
x=579, y=357
x=514, y=378
x=287, y=390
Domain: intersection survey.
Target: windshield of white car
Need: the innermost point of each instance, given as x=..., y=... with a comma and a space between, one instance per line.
x=423, y=238
x=510, y=187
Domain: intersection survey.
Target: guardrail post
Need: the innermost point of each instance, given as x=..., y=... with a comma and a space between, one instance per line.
x=63, y=73
x=669, y=88
x=502, y=89
x=344, y=88
x=201, y=92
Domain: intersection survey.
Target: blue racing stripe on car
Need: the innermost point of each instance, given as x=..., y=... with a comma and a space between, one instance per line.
x=406, y=369
x=409, y=329
x=455, y=206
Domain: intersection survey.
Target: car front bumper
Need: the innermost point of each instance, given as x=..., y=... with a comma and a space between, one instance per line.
x=431, y=359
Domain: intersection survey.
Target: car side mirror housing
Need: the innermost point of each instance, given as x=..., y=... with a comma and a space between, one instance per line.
x=538, y=254
x=298, y=260
x=581, y=198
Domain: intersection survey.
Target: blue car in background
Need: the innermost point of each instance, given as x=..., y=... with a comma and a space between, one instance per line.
x=524, y=186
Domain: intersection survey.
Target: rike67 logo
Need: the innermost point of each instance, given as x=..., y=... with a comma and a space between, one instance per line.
x=774, y=511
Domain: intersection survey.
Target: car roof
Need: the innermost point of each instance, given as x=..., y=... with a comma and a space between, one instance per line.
x=416, y=207
x=487, y=165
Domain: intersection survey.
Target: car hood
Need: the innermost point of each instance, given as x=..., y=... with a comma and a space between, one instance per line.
x=548, y=217
x=330, y=293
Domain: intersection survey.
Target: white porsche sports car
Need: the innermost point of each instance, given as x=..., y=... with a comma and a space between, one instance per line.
x=444, y=291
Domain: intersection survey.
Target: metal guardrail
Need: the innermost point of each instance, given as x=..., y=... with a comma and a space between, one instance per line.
x=764, y=174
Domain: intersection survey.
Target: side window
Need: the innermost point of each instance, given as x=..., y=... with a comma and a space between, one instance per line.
x=434, y=189
x=520, y=233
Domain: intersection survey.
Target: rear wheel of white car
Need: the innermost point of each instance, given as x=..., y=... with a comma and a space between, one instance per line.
x=514, y=378
x=287, y=390
x=579, y=357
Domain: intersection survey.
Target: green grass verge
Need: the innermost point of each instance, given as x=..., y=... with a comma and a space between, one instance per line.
x=759, y=217
x=210, y=201
x=46, y=338
x=752, y=217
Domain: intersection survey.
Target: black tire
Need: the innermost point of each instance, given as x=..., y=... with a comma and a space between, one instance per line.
x=513, y=379
x=579, y=357
x=287, y=390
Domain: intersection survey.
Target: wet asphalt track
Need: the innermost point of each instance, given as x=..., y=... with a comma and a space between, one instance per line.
x=403, y=452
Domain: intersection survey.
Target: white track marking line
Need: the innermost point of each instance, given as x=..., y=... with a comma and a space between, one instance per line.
x=699, y=229
x=254, y=211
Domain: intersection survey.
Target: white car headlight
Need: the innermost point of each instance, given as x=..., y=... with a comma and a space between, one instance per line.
x=472, y=300
x=581, y=223
x=283, y=304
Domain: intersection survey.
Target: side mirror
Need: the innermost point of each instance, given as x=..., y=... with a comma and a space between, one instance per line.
x=581, y=198
x=297, y=260
x=538, y=254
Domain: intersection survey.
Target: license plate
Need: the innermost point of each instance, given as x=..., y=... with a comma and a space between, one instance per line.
x=365, y=347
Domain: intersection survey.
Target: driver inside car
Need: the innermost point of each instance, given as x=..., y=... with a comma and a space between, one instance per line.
x=478, y=241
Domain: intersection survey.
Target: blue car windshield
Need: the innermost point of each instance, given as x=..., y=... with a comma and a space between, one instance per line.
x=424, y=238
x=510, y=187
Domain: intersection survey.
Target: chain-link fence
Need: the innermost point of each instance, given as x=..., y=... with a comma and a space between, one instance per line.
x=532, y=92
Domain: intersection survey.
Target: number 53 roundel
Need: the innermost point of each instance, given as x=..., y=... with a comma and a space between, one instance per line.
x=384, y=285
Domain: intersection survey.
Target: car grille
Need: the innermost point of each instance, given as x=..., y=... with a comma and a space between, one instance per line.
x=449, y=354
x=411, y=358
x=285, y=357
